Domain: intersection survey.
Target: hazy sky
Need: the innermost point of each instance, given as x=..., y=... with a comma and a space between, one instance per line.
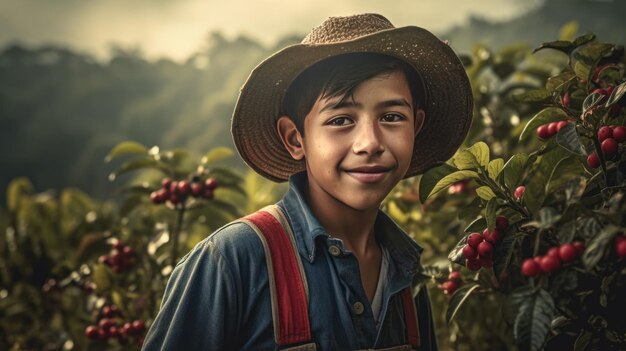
x=176, y=28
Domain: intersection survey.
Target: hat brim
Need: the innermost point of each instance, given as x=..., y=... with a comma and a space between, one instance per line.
x=448, y=105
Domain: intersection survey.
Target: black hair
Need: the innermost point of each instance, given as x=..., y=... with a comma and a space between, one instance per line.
x=339, y=76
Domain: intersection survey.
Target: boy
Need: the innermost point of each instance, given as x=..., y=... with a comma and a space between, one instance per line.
x=347, y=114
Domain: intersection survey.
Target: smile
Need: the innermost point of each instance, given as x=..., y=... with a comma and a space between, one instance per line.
x=369, y=174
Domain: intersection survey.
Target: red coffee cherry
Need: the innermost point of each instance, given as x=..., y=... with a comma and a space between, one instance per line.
x=604, y=133
x=138, y=326
x=530, y=268
x=474, y=239
x=619, y=134
x=486, y=262
x=492, y=237
x=184, y=188
x=579, y=246
x=211, y=183
x=566, y=100
x=609, y=147
x=469, y=252
x=560, y=125
x=567, y=252
x=450, y=286
x=196, y=189
x=554, y=252
x=552, y=128
x=593, y=160
x=501, y=223
x=543, y=132
x=166, y=183
x=620, y=246
x=91, y=332
x=208, y=193
x=472, y=264
x=454, y=275
x=485, y=249
x=519, y=192
x=549, y=264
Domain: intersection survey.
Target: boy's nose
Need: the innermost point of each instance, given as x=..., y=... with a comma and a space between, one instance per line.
x=368, y=139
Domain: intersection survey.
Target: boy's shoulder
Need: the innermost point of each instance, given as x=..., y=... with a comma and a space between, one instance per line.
x=234, y=241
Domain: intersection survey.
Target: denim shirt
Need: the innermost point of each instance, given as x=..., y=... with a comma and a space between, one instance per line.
x=217, y=297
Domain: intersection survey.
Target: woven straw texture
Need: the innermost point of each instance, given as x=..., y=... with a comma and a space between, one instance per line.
x=448, y=104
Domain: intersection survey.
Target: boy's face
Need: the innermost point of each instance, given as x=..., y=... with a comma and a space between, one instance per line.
x=358, y=150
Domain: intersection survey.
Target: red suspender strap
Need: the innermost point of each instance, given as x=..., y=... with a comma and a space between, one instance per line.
x=410, y=316
x=288, y=288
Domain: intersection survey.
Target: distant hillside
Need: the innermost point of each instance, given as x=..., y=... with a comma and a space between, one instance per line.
x=605, y=18
x=61, y=111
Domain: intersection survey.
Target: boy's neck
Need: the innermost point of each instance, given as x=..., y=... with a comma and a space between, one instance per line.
x=354, y=227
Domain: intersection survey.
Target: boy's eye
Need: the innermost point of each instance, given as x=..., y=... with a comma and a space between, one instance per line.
x=339, y=121
x=392, y=117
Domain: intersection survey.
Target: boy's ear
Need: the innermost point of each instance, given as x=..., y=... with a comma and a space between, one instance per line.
x=420, y=116
x=290, y=136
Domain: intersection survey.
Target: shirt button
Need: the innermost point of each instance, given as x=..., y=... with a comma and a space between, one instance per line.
x=358, y=307
x=334, y=250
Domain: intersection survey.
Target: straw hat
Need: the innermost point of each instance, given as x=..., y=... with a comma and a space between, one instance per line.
x=448, y=104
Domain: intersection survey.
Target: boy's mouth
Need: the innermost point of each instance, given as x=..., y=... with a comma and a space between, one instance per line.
x=368, y=174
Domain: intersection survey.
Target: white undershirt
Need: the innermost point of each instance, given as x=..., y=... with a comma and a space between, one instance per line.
x=380, y=287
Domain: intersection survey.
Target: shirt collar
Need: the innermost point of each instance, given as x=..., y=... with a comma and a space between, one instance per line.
x=404, y=250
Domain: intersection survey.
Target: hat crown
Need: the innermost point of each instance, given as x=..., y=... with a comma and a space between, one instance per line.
x=337, y=29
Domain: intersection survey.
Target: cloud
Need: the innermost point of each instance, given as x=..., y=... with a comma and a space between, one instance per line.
x=178, y=28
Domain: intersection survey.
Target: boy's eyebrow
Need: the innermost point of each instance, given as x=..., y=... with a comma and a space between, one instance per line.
x=346, y=104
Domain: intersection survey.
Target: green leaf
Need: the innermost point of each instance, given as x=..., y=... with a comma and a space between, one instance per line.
x=617, y=94
x=584, y=39
x=452, y=178
x=476, y=226
x=126, y=148
x=588, y=228
x=495, y=167
x=217, y=154
x=590, y=54
x=566, y=232
x=559, y=82
x=599, y=246
x=582, y=341
x=456, y=254
x=560, y=45
x=485, y=193
x=533, y=320
x=547, y=115
x=565, y=170
x=480, y=150
x=465, y=160
x=102, y=277
x=542, y=171
x=569, y=139
x=582, y=70
x=592, y=100
x=134, y=165
x=503, y=254
x=513, y=170
x=457, y=300
x=548, y=217
x=429, y=179
x=490, y=213
x=533, y=96
x=17, y=189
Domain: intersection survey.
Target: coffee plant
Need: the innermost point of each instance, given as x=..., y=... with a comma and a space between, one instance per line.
x=540, y=232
